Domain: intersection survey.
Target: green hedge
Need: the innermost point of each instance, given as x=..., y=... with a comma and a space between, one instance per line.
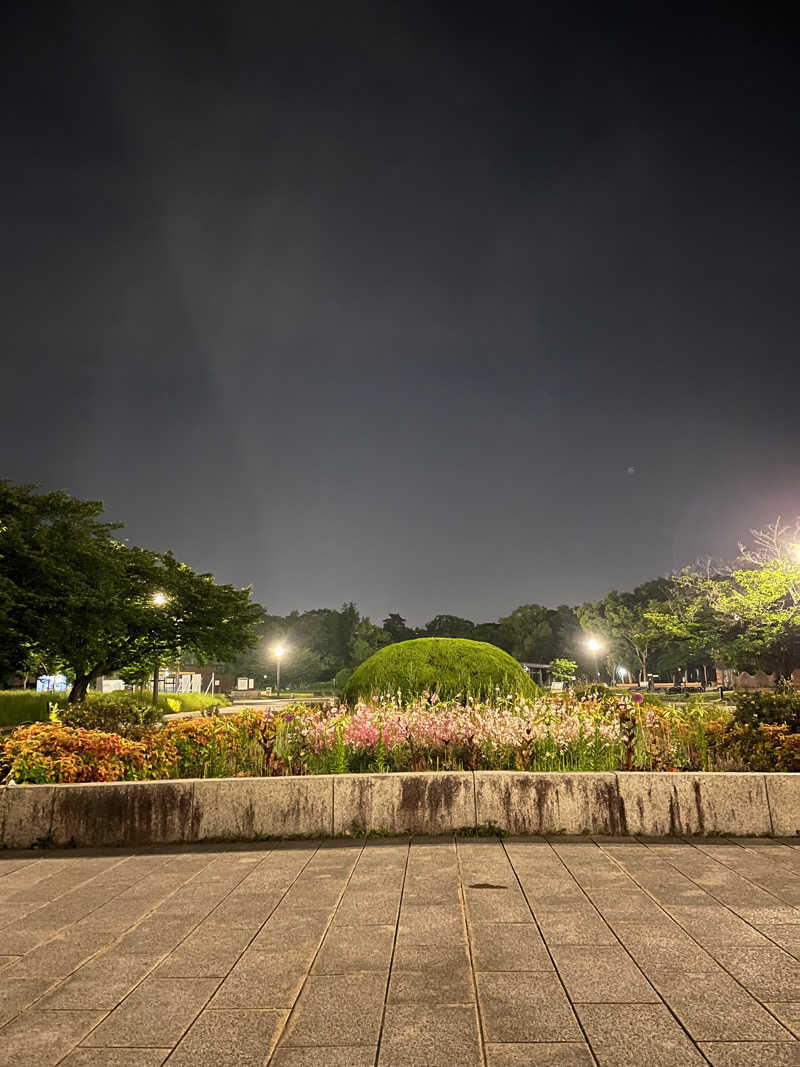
x=26, y=705
x=759, y=707
x=448, y=666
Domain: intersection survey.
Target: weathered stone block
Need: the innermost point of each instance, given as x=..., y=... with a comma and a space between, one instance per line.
x=546, y=802
x=96, y=814
x=427, y=803
x=783, y=792
x=246, y=809
x=27, y=815
x=694, y=803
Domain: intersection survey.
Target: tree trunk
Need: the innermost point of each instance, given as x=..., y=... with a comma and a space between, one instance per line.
x=79, y=687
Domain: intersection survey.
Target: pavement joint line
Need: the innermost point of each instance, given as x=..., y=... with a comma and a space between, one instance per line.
x=547, y=947
x=722, y=903
x=744, y=877
x=467, y=926
x=291, y=1011
x=391, y=958
x=78, y=885
x=624, y=948
x=693, y=938
x=99, y=952
x=269, y=852
x=58, y=982
x=160, y=960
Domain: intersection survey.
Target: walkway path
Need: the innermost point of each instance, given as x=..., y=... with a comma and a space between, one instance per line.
x=436, y=952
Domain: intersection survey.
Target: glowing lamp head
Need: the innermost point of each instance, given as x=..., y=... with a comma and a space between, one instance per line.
x=159, y=600
x=279, y=650
x=593, y=644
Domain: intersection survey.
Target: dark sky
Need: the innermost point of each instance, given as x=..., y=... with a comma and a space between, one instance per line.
x=433, y=307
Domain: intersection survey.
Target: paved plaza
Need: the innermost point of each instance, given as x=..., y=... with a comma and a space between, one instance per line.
x=403, y=952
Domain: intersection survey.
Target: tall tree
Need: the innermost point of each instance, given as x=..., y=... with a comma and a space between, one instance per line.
x=87, y=601
x=449, y=626
x=529, y=634
x=395, y=626
x=623, y=619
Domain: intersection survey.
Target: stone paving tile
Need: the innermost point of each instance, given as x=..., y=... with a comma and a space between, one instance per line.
x=155, y=935
x=454, y=986
x=101, y=983
x=156, y=1013
x=264, y=980
x=212, y=949
x=365, y=907
x=767, y=973
x=601, y=975
x=343, y=1056
x=580, y=925
x=116, y=1057
x=247, y=910
x=752, y=1053
x=436, y=1035
x=60, y=956
x=713, y=1007
x=342, y=953
x=564, y=1054
x=524, y=1006
x=412, y=955
x=632, y=1035
x=208, y=952
x=16, y=994
x=340, y=1009
x=663, y=947
x=788, y=1013
x=220, y=1037
x=43, y=1038
x=508, y=947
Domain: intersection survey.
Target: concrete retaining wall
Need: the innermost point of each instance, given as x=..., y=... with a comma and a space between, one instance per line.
x=246, y=809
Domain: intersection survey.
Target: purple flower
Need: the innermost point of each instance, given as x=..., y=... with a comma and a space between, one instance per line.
x=289, y=718
x=637, y=698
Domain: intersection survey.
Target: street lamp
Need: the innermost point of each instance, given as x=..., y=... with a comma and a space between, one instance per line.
x=158, y=600
x=594, y=647
x=279, y=651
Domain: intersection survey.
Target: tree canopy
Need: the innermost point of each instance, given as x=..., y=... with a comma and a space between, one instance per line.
x=76, y=597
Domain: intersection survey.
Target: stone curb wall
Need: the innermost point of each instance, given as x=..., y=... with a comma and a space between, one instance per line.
x=247, y=809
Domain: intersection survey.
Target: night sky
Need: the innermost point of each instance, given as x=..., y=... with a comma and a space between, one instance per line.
x=432, y=307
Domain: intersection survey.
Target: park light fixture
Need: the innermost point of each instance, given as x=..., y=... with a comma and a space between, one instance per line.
x=278, y=650
x=594, y=647
x=159, y=600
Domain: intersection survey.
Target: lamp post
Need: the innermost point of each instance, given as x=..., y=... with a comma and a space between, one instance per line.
x=158, y=600
x=278, y=650
x=594, y=647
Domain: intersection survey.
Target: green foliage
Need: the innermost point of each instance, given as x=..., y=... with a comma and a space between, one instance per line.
x=563, y=670
x=774, y=709
x=449, y=626
x=79, y=598
x=124, y=713
x=341, y=679
x=446, y=666
x=24, y=705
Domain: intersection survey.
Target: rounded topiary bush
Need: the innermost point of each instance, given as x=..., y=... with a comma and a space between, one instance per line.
x=447, y=666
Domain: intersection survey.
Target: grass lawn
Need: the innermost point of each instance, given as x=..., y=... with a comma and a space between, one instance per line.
x=25, y=705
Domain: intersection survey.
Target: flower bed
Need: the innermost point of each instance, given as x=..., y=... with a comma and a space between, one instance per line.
x=553, y=733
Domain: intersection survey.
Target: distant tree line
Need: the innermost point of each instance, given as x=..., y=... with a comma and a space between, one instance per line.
x=743, y=615
x=75, y=597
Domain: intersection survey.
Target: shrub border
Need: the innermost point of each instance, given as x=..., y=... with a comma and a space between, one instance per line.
x=186, y=811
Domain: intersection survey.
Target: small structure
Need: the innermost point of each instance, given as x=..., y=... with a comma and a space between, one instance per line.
x=542, y=673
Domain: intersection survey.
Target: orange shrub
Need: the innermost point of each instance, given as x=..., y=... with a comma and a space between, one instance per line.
x=50, y=752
